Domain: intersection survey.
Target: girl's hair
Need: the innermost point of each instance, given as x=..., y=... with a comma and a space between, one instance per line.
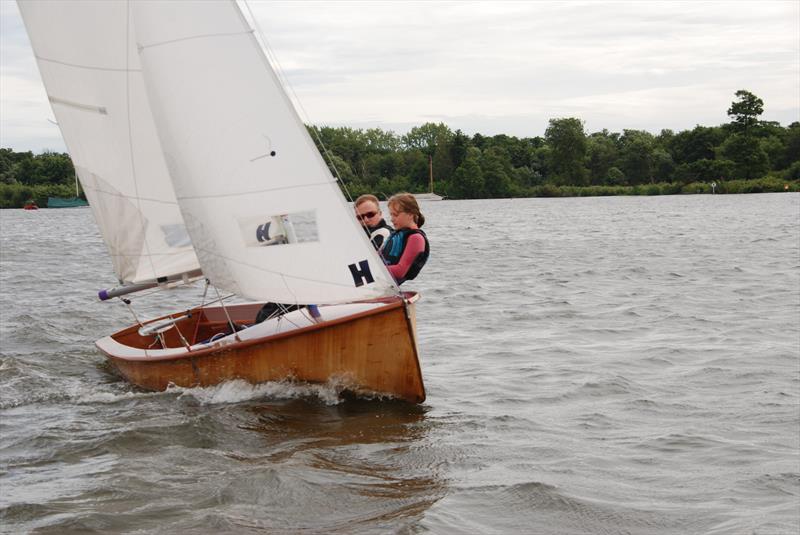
x=405, y=202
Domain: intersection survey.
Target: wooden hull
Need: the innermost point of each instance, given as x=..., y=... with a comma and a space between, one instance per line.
x=373, y=350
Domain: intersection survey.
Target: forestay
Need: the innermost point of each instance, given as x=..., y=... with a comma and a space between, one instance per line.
x=90, y=67
x=246, y=173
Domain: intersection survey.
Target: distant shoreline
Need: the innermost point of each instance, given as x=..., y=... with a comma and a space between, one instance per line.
x=14, y=196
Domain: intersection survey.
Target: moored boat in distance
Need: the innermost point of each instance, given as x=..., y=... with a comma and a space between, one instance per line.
x=428, y=197
x=63, y=202
x=68, y=202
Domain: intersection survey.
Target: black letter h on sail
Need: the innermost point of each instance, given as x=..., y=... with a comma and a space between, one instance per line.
x=361, y=273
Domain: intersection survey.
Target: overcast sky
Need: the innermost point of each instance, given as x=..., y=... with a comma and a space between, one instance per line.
x=492, y=67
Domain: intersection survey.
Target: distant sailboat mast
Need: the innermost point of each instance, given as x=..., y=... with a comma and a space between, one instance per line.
x=430, y=195
x=430, y=172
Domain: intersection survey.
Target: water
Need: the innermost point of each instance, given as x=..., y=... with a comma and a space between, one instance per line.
x=601, y=365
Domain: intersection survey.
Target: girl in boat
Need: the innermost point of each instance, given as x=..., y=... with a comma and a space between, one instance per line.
x=406, y=250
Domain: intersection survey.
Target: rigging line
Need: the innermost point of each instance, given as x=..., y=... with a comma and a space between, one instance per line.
x=142, y=222
x=287, y=85
x=230, y=321
x=133, y=312
x=284, y=318
x=289, y=289
x=253, y=192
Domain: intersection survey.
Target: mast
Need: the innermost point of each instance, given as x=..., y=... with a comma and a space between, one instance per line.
x=430, y=171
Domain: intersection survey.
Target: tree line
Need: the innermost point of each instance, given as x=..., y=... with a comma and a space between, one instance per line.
x=568, y=161
x=746, y=154
x=25, y=177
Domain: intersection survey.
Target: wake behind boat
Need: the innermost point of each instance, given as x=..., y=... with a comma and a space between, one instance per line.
x=196, y=165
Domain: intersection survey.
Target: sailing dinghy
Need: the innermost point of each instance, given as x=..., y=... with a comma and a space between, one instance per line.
x=197, y=166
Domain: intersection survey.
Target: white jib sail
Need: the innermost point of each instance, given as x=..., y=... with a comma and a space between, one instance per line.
x=266, y=217
x=90, y=67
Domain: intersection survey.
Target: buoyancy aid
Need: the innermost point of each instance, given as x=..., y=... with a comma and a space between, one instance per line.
x=393, y=249
x=379, y=233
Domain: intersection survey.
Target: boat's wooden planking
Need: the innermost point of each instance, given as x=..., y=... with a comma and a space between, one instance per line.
x=375, y=351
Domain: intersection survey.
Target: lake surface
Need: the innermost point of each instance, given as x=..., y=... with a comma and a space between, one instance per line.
x=596, y=365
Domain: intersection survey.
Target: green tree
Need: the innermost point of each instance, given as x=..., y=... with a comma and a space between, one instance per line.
x=696, y=144
x=745, y=111
x=458, y=148
x=602, y=155
x=54, y=168
x=636, y=155
x=615, y=177
x=663, y=165
x=376, y=140
x=567, y=141
x=415, y=169
x=442, y=159
x=773, y=147
x=7, y=162
x=426, y=137
x=704, y=171
x=791, y=147
x=750, y=160
x=339, y=167
x=497, y=172
x=468, y=182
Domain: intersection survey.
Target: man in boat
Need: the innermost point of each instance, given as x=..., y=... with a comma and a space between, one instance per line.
x=368, y=212
x=407, y=249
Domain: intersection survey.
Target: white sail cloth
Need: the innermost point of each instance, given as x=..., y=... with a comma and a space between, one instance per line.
x=90, y=67
x=240, y=158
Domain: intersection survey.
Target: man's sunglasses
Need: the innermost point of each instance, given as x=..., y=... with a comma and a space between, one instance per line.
x=367, y=215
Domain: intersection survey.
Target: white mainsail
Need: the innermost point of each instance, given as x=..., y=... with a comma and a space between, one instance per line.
x=90, y=67
x=240, y=160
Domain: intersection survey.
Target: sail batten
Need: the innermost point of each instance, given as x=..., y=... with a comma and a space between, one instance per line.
x=253, y=192
x=191, y=37
x=87, y=67
x=102, y=110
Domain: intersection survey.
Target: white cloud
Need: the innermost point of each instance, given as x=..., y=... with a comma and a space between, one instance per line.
x=502, y=67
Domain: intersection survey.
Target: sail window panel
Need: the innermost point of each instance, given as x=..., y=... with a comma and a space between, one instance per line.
x=225, y=232
x=279, y=229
